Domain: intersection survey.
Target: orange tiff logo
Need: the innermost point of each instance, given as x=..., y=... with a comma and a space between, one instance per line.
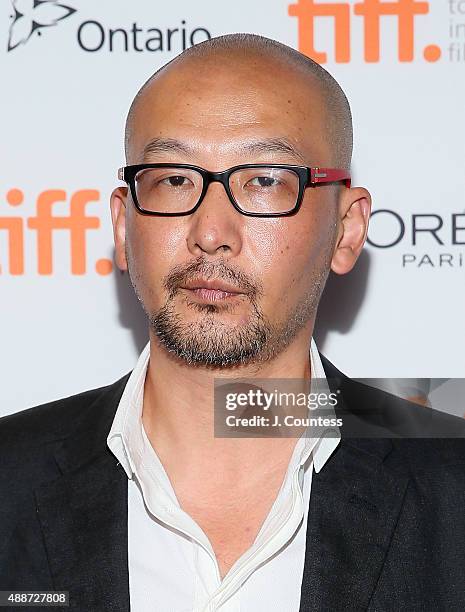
x=371, y=11
x=45, y=223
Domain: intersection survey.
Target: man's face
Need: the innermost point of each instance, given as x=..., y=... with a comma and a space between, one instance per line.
x=222, y=118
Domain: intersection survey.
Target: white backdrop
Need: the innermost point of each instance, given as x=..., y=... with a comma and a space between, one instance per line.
x=69, y=323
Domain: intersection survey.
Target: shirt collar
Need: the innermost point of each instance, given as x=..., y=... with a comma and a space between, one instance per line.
x=126, y=437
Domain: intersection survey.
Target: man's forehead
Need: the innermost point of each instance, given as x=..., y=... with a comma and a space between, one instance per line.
x=241, y=115
x=241, y=145
x=228, y=96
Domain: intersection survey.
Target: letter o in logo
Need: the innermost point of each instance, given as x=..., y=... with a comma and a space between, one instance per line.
x=101, y=34
x=202, y=30
x=401, y=229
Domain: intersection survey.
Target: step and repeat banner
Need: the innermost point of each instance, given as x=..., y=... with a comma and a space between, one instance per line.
x=69, y=70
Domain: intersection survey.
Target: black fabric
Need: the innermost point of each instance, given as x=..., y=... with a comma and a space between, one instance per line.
x=386, y=526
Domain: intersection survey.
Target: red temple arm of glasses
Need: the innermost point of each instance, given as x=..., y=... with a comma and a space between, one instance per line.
x=329, y=175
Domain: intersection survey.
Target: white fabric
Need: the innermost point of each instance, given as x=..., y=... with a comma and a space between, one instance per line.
x=172, y=566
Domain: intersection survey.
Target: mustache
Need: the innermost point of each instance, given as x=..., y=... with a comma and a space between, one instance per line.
x=181, y=274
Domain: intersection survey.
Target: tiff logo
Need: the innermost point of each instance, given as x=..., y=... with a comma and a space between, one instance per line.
x=45, y=223
x=371, y=11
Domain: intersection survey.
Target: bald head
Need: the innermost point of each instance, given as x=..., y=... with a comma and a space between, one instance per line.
x=229, y=51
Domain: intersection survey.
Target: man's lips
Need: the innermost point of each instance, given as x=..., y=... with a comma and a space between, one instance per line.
x=211, y=290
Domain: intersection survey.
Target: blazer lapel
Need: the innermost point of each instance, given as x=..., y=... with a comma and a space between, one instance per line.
x=354, y=505
x=83, y=514
x=355, y=502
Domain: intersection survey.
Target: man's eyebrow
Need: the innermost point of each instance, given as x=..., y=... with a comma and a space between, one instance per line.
x=165, y=145
x=266, y=145
x=271, y=145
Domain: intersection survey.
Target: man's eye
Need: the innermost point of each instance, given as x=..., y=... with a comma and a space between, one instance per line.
x=176, y=181
x=264, y=181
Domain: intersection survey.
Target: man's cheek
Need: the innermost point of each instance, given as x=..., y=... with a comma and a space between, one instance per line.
x=147, y=250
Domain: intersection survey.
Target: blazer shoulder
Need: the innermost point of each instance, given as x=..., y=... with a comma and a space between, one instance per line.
x=53, y=420
x=426, y=439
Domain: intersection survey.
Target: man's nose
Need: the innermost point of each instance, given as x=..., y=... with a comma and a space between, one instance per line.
x=216, y=226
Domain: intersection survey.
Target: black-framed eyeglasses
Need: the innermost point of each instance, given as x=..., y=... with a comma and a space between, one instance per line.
x=256, y=190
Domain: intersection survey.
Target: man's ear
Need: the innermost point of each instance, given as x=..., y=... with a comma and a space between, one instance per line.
x=353, y=217
x=118, y=200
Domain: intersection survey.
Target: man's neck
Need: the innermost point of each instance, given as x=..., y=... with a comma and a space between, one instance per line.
x=178, y=415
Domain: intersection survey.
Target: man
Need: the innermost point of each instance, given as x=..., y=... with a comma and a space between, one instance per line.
x=123, y=495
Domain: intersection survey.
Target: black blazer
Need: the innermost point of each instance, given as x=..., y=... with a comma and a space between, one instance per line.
x=386, y=525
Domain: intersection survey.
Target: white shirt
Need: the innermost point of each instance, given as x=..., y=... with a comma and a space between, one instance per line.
x=172, y=566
